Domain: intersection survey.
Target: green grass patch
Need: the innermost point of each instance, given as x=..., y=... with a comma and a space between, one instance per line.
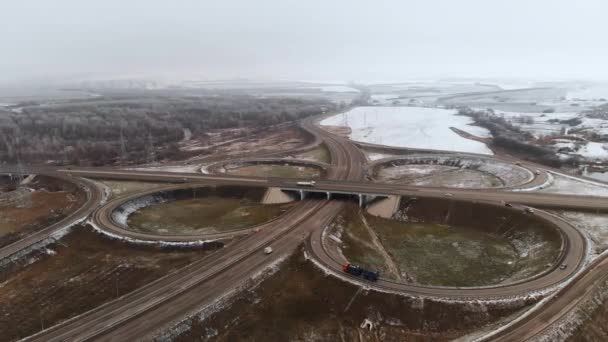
x=211, y=214
x=434, y=254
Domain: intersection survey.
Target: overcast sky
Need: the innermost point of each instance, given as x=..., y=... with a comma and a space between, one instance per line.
x=304, y=40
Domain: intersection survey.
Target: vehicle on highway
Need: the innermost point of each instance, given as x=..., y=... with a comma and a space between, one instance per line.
x=563, y=266
x=537, y=172
x=360, y=272
x=448, y=194
x=306, y=183
x=268, y=250
x=529, y=210
x=507, y=204
x=518, y=163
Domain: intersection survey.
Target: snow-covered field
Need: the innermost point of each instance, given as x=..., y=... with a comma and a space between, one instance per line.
x=413, y=127
x=589, y=92
x=337, y=89
x=539, y=124
x=172, y=168
x=601, y=176
x=572, y=186
x=594, y=225
x=594, y=150
x=547, y=124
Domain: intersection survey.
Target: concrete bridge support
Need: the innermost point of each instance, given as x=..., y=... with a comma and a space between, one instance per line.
x=364, y=199
x=385, y=207
x=276, y=195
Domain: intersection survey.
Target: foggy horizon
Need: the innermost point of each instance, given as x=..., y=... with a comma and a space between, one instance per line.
x=314, y=40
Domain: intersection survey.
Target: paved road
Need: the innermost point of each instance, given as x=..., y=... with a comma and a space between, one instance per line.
x=94, y=196
x=186, y=290
x=558, y=306
x=573, y=254
x=544, y=200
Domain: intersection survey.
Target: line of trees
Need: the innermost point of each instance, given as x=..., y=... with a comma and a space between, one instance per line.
x=512, y=138
x=134, y=130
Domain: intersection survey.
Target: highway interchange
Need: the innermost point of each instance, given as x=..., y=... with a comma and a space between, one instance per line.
x=159, y=305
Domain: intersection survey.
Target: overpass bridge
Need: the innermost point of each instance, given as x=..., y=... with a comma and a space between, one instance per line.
x=363, y=197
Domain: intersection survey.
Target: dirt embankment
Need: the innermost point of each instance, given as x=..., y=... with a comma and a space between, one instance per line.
x=78, y=273
x=47, y=201
x=300, y=303
x=481, y=216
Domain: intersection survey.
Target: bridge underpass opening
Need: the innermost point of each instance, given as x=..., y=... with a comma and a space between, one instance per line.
x=361, y=199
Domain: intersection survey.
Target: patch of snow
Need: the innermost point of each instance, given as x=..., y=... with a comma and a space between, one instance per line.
x=122, y=213
x=187, y=134
x=170, y=168
x=570, y=185
x=600, y=176
x=413, y=127
x=593, y=225
x=194, y=243
x=546, y=184
x=373, y=156
x=334, y=89
x=594, y=150
x=41, y=245
x=538, y=124
x=588, y=92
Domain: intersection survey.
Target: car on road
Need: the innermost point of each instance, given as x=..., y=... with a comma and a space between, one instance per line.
x=268, y=250
x=537, y=172
x=448, y=194
x=306, y=183
x=563, y=266
x=529, y=210
x=507, y=204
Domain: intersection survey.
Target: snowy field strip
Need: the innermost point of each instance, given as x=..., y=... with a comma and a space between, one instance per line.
x=172, y=168
x=569, y=185
x=413, y=127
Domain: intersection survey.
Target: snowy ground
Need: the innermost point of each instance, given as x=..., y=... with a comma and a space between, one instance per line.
x=377, y=155
x=572, y=186
x=601, y=176
x=595, y=92
x=422, y=92
x=172, y=168
x=538, y=124
x=413, y=127
x=594, y=225
x=335, y=89
x=548, y=124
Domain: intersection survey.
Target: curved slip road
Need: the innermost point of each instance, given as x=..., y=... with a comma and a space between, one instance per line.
x=573, y=255
x=104, y=220
x=94, y=198
x=559, y=305
x=185, y=291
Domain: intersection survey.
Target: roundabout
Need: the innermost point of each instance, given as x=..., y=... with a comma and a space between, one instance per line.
x=189, y=213
x=451, y=171
x=549, y=252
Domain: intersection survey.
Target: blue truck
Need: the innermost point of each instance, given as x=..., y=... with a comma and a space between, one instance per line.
x=360, y=272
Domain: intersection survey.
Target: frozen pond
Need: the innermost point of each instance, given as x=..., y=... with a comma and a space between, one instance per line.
x=414, y=127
